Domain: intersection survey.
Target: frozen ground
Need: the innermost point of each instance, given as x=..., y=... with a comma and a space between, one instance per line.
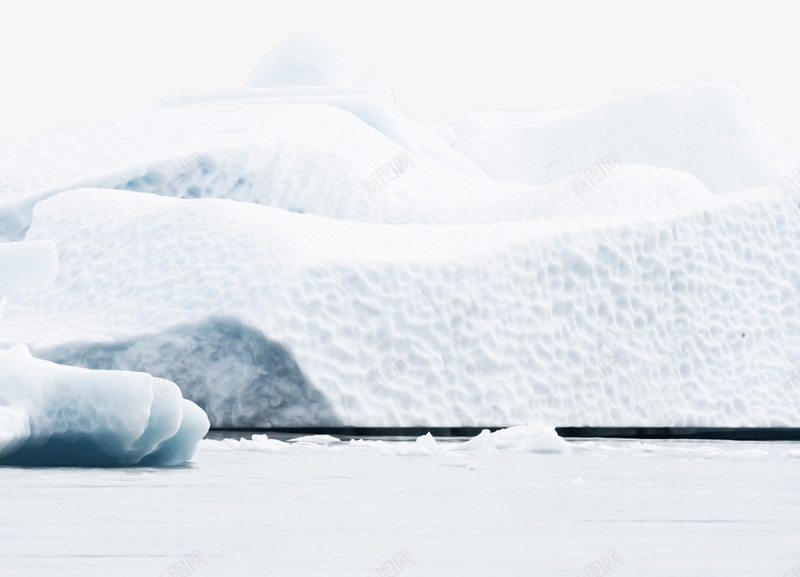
x=664, y=508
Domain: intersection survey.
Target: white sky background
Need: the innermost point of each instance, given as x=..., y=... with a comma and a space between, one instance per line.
x=67, y=62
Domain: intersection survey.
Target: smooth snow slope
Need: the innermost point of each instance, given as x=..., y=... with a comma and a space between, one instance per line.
x=266, y=317
x=706, y=129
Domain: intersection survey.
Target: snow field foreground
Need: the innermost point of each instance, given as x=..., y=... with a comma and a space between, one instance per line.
x=341, y=509
x=270, y=318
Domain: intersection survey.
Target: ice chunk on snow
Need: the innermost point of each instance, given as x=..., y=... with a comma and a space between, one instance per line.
x=531, y=438
x=56, y=415
x=315, y=440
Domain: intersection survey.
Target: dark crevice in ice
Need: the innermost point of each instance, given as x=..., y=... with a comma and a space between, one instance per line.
x=232, y=371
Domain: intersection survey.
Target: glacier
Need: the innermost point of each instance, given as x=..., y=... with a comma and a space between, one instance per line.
x=299, y=252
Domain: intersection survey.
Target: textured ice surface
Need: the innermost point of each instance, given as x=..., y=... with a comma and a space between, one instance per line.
x=403, y=274
x=56, y=415
x=688, y=317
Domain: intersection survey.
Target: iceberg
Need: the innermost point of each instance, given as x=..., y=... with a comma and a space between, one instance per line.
x=298, y=252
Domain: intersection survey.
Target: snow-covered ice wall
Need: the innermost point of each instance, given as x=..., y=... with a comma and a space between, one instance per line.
x=633, y=262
